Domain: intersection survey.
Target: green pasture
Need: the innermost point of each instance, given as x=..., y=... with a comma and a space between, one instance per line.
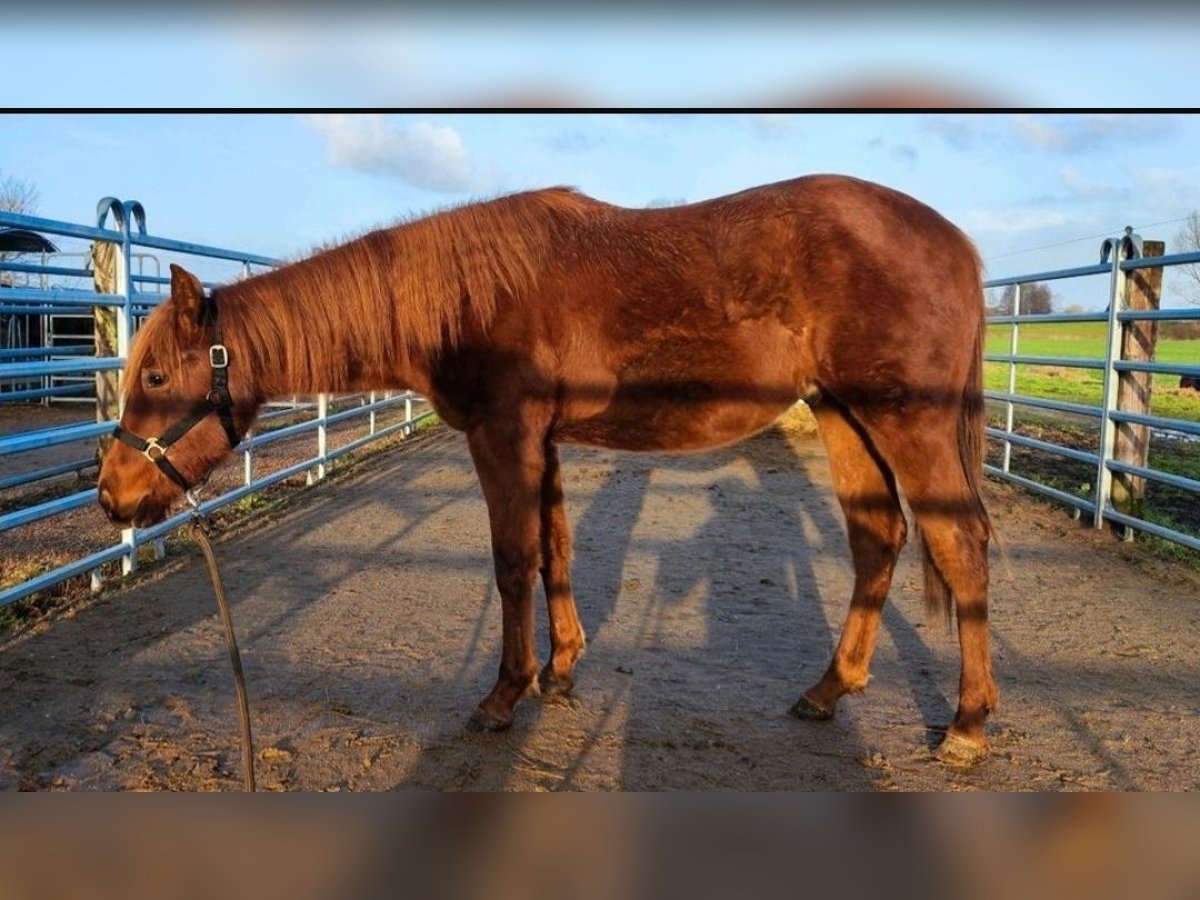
x=1085, y=340
x=1164, y=505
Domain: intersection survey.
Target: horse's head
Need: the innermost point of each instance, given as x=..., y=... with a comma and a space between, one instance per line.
x=185, y=406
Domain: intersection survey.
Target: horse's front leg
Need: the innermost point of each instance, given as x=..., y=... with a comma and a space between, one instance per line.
x=510, y=459
x=566, y=633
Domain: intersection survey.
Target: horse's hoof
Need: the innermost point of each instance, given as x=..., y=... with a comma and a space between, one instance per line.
x=810, y=711
x=555, y=685
x=483, y=721
x=961, y=752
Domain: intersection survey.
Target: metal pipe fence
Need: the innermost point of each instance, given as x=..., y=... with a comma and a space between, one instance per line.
x=131, y=303
x=135, y=299
x=1120, y=258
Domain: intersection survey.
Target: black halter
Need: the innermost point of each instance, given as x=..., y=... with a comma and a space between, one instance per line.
x=216, y=400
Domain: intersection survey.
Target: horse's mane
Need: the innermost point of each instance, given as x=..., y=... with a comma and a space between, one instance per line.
x=409, y=288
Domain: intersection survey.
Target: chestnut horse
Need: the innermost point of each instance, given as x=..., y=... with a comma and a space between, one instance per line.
x=548, y=316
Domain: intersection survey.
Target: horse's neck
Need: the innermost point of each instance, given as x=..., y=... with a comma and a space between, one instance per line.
x=293, y=352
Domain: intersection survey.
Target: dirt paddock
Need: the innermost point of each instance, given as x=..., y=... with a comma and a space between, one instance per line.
x=712, y=588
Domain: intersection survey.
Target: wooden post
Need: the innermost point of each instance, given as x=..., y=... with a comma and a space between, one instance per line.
x=1138, y=341
x=104, y=277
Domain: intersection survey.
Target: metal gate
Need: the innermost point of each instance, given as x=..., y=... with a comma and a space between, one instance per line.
x=46, y=370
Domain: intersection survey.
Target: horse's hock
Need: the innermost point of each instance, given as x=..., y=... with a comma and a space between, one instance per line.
x=710, y=586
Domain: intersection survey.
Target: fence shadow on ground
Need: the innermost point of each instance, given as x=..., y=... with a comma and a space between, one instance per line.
x=754, y=602
x=711, y=598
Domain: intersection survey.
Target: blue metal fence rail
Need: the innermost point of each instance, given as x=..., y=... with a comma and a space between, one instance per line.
x=131, y=303
x=1125, y=253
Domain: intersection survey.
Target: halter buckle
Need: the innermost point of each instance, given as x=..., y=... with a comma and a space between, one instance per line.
x=153, y=444
x=218, y=356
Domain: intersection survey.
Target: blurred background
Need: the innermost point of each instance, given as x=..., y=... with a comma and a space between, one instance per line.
x=1036, y=191
x=746, y=54
x=1092, y=847
x=1033, y=189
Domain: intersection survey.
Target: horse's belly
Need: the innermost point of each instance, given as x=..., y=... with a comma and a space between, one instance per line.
x=669, y=424
x=689, y=392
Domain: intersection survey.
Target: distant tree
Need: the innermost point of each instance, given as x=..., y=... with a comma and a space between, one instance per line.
x=1036, y=299
x=1187, y=277
x=17, y=195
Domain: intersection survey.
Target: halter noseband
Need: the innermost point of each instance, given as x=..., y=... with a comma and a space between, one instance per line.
x=216, y=400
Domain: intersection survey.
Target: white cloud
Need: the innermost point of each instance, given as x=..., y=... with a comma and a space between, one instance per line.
x=907, y=154
x=379, y=57
x=429, y=156
x=1008, y=221
x=1079, y=133
x=771, y=125
x=1173, y=181
x=1066, y=134
x=1039, y=133
x=959, y=131
x=573, y=141
x=1136, y=192
x=1080, y=187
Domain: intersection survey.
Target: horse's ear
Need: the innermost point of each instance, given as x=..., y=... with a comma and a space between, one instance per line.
x=187, y=293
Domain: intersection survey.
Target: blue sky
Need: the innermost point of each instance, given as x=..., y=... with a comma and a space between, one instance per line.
x=280, y=183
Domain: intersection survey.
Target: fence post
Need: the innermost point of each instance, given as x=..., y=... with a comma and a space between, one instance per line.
x=248, y=458
x=1013, y=340
x=104, y=326
x=123, y=280
x=125, y=310
x=1138, y=341
x=322, y=437
x=124, y=259
x=247, y=445
x=1119, y=248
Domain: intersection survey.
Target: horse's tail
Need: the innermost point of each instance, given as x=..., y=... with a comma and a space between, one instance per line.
x=972, y=439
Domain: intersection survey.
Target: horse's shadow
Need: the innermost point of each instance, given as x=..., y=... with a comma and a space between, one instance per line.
x=700, y=638
x=699, y=587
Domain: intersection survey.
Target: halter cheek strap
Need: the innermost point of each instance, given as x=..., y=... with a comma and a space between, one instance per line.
x=217, y=400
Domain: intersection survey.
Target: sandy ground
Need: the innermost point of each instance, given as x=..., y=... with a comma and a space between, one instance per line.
x=712, y=588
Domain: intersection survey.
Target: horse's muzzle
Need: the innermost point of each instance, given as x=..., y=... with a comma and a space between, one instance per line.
x=110, y=508
x=147, y=512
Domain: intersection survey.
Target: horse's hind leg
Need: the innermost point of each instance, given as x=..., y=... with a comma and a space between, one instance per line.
x=876, y=530
x=566, y=632
x=509, y=458
x=923, y=451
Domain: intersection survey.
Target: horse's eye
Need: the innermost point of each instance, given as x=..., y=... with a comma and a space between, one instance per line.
x=155, y=379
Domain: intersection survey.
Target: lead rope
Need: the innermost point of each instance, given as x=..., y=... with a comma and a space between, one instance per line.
x=199, y=527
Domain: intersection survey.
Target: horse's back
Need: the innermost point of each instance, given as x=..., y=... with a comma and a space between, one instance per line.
x=692, y=326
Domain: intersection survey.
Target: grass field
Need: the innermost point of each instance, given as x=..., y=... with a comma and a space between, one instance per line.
x=1165, y=505
x=1086, y=341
